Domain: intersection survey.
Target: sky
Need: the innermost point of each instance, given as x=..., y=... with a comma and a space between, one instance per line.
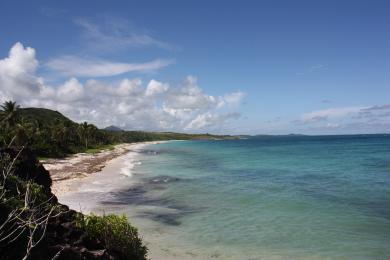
x=231, y=67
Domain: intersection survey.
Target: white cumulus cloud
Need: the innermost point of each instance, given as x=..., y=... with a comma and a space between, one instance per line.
x=155, y=87
x=128, y=103
x=71, y=90
x=17, y=72
x=234, y=98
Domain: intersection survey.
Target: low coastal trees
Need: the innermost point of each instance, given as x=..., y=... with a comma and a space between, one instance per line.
x=47, y=132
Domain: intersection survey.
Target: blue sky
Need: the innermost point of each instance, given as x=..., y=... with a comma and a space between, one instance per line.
x=273, y=67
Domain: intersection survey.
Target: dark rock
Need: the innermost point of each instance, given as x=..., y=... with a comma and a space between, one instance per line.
x=63, y=240
x=27, y=167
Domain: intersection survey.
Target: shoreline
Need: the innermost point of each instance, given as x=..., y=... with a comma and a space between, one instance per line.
x=67, y=172
x=109, y=172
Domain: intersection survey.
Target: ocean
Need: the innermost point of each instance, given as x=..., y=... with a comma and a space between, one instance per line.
x=266, y=197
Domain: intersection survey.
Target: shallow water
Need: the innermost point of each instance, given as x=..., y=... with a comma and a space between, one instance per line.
x=290, y=197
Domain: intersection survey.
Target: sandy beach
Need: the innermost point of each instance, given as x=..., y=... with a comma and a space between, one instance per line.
x=66, y=172
x=86, y=182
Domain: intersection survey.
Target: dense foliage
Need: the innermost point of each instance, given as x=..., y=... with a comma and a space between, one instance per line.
x=116, y=233
x=47, y=132
x=50, y=134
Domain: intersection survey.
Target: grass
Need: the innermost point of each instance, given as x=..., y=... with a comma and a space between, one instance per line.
x=93, y=150
x=100, y=148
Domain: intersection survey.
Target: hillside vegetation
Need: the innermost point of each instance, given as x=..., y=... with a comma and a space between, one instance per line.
x=50, y=134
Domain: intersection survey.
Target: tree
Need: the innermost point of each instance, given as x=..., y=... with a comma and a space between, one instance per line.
x=23, y=132
x=9, y=113
x=60, y=134
x=86, y=131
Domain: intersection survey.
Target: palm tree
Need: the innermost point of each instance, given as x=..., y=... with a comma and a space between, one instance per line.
x=23, y=132
x=84, y=131
x=9, y=113
x=60, y=134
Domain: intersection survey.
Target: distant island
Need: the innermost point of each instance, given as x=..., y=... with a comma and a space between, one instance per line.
x=113, y=128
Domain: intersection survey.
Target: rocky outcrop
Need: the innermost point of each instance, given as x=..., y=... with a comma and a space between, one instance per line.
x=63, y=239
x=27, y=167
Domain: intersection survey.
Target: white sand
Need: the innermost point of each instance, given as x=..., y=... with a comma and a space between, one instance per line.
x=66, y=173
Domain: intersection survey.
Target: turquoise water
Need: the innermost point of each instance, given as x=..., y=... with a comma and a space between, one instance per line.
x=291, y=197
x=288, y=197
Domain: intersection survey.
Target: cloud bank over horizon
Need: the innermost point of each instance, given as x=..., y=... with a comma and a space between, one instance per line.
x=359, y=119
x=127, y=103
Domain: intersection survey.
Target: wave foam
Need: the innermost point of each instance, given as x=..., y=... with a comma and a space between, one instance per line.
x=128, y=166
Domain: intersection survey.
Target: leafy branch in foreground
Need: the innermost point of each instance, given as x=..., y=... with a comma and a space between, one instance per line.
x=33, y=225
x=27, y=209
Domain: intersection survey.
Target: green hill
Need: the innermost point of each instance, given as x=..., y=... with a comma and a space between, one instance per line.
x=51, y=134
x=43, y=115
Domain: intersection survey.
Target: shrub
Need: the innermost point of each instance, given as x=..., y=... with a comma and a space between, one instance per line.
x=116, y=233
